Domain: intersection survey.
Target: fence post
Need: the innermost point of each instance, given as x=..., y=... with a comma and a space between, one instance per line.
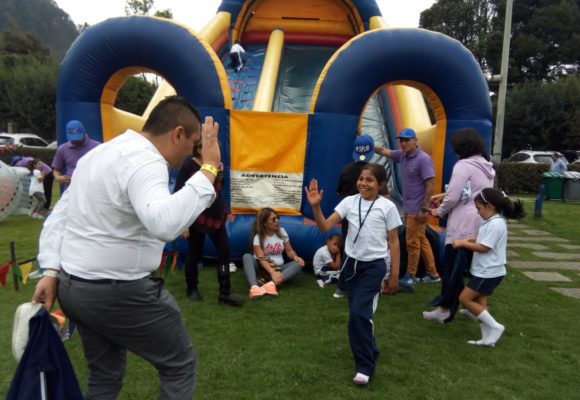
x=13, y=260
x=539, y=202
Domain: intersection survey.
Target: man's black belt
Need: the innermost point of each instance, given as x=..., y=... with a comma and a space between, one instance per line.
x=96, y=281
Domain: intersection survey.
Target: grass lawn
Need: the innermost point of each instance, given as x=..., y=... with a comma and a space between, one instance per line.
x=296, y=346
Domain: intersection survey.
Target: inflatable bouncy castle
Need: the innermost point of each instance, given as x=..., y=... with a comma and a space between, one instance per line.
x=318, y=73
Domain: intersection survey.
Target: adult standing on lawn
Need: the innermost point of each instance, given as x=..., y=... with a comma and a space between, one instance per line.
x=471, y=174
x=47, y=174
x=68, y=154
x=558, y=165
x=418, y=177
x=105, y=237
x=212, y=223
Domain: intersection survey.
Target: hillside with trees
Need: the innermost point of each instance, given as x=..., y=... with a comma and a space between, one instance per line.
x=44, y=19
x=34, y=37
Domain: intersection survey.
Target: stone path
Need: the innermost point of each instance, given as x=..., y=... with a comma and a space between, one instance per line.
x=536, y=239
x=546, y=276
x=533, y=246
x=548, y=258
x=570, y=292
x=511, y=253
x=556, y=256
x=570, y=246
x=545, y=265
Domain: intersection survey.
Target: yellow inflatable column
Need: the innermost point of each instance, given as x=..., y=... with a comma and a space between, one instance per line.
x=267, y=85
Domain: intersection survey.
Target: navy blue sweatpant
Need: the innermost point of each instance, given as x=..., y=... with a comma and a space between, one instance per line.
x=363, y=281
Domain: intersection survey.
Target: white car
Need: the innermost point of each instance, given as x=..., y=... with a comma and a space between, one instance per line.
x=23, y=140
x=535, y=157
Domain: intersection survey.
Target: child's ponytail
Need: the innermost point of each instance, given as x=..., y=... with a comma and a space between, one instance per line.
x=508, y=208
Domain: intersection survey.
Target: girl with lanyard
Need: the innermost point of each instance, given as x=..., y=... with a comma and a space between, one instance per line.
x=489, y=258
x=371, y=240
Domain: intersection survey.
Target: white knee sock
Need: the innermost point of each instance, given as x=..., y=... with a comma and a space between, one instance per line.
x=487, y=319
x=492, y=331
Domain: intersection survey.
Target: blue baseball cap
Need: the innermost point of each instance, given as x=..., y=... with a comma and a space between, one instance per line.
x=364, y=148
x=75, y=130
x=407, y=133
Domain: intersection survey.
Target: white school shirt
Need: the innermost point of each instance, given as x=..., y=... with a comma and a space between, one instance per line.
x=492, y=234
x=114, y=218
x=372, y=240
x=237, y=48
x=273, y=246
x=35, y=185
x=321, y=259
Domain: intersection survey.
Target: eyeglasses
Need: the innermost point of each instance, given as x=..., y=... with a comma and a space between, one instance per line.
x=404, y=139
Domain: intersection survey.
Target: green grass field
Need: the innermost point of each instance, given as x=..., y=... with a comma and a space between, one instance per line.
x=296, y=346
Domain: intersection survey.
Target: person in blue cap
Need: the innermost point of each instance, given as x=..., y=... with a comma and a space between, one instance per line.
x=68, y=154
x=418, y=176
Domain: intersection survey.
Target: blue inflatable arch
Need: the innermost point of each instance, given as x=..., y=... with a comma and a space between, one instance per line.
x=185, y=60
x=415, y=56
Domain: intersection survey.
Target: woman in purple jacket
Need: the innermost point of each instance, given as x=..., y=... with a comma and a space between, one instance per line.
x=471, y=174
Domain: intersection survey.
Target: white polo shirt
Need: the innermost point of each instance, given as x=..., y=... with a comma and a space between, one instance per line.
x=114, y=218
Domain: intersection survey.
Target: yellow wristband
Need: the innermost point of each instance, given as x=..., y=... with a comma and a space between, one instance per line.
x=210, y=168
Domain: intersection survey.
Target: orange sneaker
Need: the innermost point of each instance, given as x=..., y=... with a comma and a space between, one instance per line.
x=256, y=292
x=270, y=288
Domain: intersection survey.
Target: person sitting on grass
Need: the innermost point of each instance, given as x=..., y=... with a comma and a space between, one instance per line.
x=326, y=261
x=489, y=259
x=269, y=242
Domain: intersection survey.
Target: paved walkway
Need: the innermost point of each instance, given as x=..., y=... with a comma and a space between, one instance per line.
x=554, y=254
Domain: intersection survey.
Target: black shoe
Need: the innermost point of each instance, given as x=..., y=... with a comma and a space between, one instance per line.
x=194, y=295
x=229, y=300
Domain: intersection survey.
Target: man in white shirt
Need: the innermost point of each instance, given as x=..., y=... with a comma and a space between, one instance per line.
x=105, y=237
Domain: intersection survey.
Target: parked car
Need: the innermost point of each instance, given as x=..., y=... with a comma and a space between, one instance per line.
x=23, y=140
x=534, y=157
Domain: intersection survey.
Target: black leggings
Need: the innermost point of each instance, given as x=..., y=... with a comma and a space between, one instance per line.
x=457, y=263
x=196, y=240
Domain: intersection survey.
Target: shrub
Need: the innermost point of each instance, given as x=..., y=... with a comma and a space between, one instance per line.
x=522, y=177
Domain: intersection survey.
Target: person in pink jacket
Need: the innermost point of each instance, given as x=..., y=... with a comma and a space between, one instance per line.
x=471, y=174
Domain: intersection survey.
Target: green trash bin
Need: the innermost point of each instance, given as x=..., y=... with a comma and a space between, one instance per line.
x=554, y=185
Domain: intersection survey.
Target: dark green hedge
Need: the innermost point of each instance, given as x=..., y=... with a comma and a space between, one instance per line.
x=523, y=178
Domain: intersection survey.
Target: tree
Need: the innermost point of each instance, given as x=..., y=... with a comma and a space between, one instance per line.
x=543, y=114
x=135, y=95
x=545, y=40
x=27, y=83
x=138, y=7
x=469, y=21
x=144, y=7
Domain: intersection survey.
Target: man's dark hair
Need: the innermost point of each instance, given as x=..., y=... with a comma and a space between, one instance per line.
x=171, y=112
x=468, y=142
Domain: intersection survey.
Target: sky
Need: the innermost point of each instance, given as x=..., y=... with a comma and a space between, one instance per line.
x=197, y=13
